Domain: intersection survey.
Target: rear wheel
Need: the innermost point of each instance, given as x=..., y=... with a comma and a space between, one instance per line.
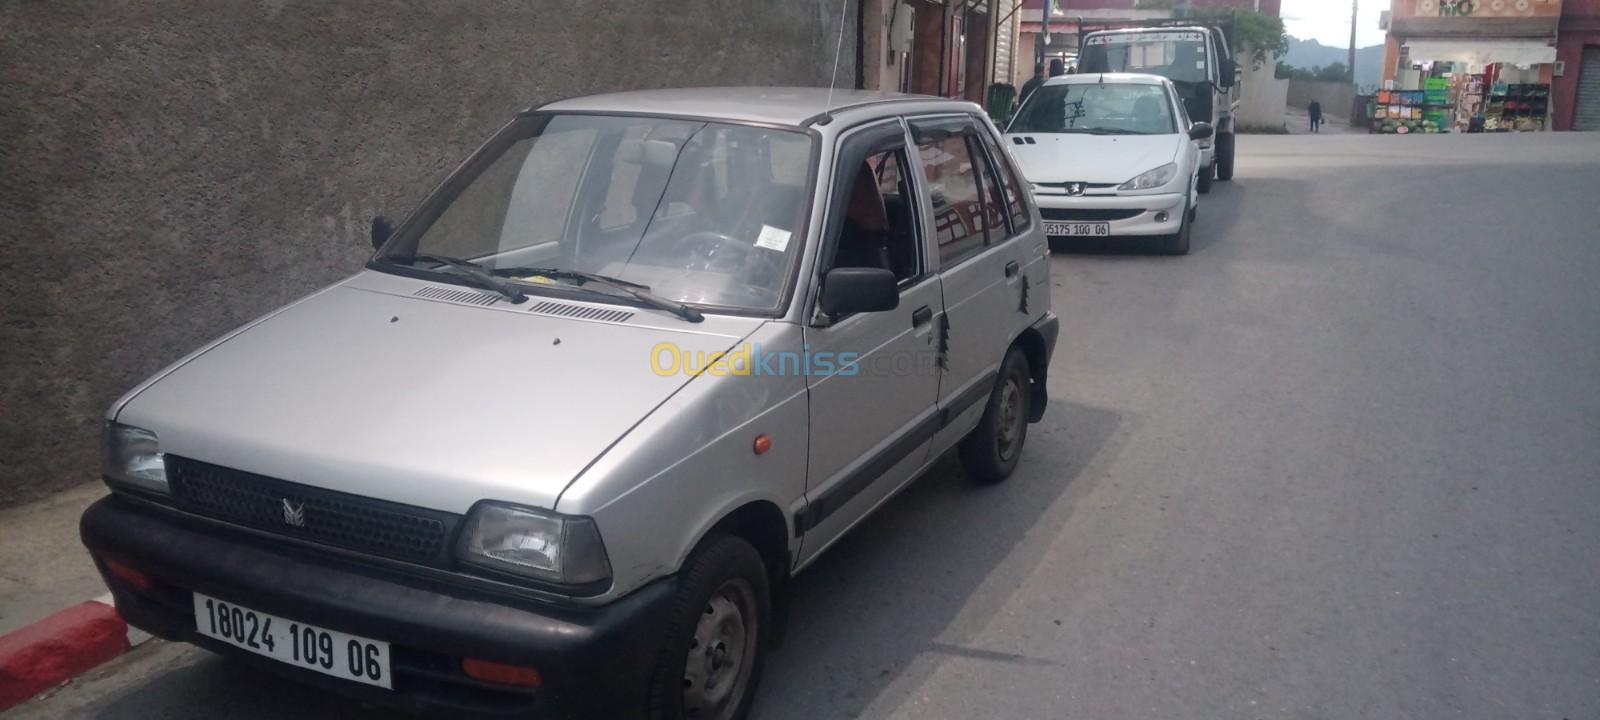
x=991, y=451
x=717, y=634
x=1225, y=147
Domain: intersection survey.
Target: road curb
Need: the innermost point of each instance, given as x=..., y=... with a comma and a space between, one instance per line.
x=53, y=651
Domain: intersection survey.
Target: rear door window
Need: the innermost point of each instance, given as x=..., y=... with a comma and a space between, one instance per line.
x=1016, y=208
x=961, y=217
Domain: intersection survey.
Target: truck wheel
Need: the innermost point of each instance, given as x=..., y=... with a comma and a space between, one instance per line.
x=990, y=452
x=1225, y=145
x=1203, y=184
x=717, y=633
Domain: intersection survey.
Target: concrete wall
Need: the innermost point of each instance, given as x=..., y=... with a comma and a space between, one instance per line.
x=172, y=168
x=1336, y=97
x=1262, y=96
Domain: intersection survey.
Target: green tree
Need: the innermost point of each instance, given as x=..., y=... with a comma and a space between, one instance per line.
x=1289, y=72
x=1256, y=35
x=1334, y=72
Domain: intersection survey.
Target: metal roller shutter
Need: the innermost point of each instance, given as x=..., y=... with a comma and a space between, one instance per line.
x=1587, y=116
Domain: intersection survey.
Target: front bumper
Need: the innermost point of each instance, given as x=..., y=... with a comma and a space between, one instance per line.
x=595, y=661
x=1127, y=214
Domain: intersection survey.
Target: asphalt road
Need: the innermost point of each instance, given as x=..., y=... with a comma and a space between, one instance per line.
x=1343, y=461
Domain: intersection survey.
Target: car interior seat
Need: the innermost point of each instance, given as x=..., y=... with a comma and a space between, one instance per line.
x=864, y=241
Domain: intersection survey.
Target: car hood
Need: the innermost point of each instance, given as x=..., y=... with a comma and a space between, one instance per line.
x=1076, y=157
x=425, y=402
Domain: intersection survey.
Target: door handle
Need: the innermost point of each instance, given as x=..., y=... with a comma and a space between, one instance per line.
x=922, y=316
x=1012, y=268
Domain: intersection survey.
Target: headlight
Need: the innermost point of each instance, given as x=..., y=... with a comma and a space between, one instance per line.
x=133, y=457
x=534, y=543
x=1152, y=179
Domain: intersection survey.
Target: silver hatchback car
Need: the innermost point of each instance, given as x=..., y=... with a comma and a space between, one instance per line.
x=559, y=446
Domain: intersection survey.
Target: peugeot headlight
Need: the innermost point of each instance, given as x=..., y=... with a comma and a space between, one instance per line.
x=534, y=543
x=1152, y=179
x=133, y=458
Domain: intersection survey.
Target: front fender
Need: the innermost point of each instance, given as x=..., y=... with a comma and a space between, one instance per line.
x=692, y=461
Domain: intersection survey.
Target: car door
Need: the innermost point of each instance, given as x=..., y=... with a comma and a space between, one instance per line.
x=979, y=263
x=872, y=418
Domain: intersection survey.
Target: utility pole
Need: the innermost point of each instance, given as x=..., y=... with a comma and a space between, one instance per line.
x=1354, y=13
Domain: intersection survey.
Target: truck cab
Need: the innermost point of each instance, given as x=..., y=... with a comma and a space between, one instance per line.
x=1197, y=59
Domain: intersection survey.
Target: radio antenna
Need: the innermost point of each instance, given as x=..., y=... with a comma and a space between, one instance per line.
x=833, y=77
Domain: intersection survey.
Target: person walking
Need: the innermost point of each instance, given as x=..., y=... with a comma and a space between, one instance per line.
x=1315, y=111
x=1032, y=84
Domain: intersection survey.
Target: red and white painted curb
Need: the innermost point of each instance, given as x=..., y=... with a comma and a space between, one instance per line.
x=54, y=650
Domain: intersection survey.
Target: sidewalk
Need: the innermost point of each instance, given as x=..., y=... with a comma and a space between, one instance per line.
x=56, y=619
x=43, y=566
x=1299, y=123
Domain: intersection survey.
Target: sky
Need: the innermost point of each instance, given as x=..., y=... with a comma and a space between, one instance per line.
x=1328, y=21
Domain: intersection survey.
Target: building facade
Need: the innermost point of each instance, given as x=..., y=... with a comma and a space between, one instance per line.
x=1576, y=85
x=949, y=48
x=1512, y=57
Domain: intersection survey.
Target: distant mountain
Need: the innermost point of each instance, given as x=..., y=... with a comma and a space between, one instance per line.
x=1310, y=54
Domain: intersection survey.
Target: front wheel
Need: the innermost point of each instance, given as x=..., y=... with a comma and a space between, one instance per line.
x=990, y=452
x=1178, y=243
x=717, y=635
x=1225, y=148
x=1203, y=183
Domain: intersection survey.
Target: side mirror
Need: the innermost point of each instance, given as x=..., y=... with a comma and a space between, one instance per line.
x=382, y=228
x=1228, y=73
x=849, y=290
x=1201, y=131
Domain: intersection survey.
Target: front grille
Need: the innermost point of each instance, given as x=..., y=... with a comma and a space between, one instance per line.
x=1090, y=186
x=330, y=518
x=1088, y=214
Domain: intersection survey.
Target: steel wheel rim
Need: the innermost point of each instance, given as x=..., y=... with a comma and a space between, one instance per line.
x=1010, y=430
x=721, y=652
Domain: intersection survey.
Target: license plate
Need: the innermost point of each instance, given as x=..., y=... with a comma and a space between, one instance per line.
x=296, y=643
x=1077, y=229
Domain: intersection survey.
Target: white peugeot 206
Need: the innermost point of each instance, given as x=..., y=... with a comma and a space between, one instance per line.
x=1111, y=155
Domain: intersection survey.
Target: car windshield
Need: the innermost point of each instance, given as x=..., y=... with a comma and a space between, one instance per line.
x=1178, y=55
x=1097, y=108
x=696, y=212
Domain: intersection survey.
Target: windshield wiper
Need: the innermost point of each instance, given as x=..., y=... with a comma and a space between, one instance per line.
x=632, y=289
x=477, y=274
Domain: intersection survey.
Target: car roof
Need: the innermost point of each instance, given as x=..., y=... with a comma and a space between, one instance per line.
x=770, y=105
x=1123, y=78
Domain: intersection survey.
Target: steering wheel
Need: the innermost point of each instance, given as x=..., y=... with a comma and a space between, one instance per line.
x=714, y=251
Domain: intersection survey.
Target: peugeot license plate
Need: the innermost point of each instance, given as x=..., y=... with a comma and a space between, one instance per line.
x=298, y=644
x=1077, y=229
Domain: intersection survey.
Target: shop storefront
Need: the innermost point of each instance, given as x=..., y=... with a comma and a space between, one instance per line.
x=1465, y=66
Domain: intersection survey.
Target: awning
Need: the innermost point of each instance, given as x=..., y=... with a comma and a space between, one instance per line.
x=1479, y=53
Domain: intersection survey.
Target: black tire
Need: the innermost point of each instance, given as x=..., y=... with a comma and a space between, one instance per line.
x=1225, y=147
x=991, y=451
x=1203, y=184
x=724, y=572
x=1178, y=243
